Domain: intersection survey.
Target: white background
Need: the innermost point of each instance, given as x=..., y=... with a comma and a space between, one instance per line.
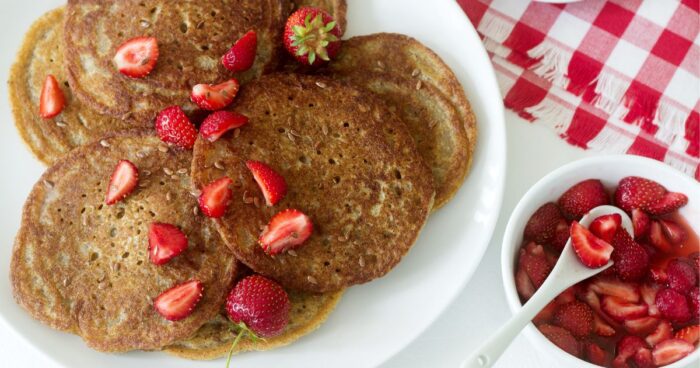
x=533, y=151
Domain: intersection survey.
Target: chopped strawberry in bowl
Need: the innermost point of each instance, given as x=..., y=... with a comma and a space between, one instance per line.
x=644, y=310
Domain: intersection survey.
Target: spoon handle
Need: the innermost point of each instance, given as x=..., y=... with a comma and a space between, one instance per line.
x=488, y=353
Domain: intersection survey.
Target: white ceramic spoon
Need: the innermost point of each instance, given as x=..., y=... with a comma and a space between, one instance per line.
x=568, y=271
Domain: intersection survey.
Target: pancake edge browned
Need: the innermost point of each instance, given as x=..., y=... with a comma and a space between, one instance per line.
x=246, y=345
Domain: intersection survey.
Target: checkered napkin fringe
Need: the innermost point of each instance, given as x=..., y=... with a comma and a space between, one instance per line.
x=618, y=76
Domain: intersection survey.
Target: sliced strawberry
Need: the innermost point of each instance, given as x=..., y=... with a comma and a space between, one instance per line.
x=671, y=350
x=670, y=202
x=601, y=328
x=165, y=242
x=612, y=287
x=648, y=293
x=583, y=197
x=681, y=276
x=643, y=358
x=52, y=101
x=288, y=229
x=561, y=338
x=123, y=181
x=220, y=122
x=535, y=265
x=673, y=305
x=523, y=284
x=606, y=226
x=641, y=325
x=137, y=57
x=627, y=347
x=658, y=273
x=596, y=354
x=658, y=239
x=663, y=332
x=635, y=192
x=674, y=232
x=621, y=310
x=173, y=127
x=179, y=301
x=641, y=223
x=690, y=334
x=271, y=183
x=561, y=236
x=592, y=251
x=567, y=296
x=631, y=260
x=241, y=56
x=542, y=225
x=215, y=197
x=546, y=314
x=577, y=317
x=214, y=97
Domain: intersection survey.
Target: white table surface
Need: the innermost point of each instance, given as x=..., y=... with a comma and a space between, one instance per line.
x=533, y=151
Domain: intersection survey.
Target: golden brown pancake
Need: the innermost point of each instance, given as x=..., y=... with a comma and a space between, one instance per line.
x=349, y=164
x=192, y=36
x=81, y=266
x=214, y=339
x=424, y=92
x=41, y=54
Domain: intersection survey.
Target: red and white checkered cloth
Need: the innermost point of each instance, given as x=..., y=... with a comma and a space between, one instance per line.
x=619, y=76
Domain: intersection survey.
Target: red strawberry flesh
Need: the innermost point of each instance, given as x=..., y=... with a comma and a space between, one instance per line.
x=288, y=229
x=218, y=123
x=214, y=97
x=635, y=192
x=631, y=261
x=690, y=334
x=592, y=251
x=613, y=287
x=51, y=101
x=271, y=183
x=671, y=350
x=542, y=225
x=681, y=276
x=576, y=317
x=179, y=301
x=173, y=127
x=242, y=54
x=673, y=305
x=561, y=338
x=583, y=197
x=137, y=57
x=123, y=181
x=215, y=197
x=621, y=310
x=606, y=226
x=165, y=242
x=261, y=304
x=663, y=332
x=670, y=202
x=640, y=223
x=627, y=347
x=674, y=232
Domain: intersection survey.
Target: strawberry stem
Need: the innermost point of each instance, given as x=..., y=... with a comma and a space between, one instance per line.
x=243, y=330
x=313, y=37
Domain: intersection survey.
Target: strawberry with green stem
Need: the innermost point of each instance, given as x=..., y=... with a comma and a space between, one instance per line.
x=312, y=36
x=259, y=307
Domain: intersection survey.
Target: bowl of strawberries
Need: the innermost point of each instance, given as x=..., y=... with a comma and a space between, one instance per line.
x=644, y=311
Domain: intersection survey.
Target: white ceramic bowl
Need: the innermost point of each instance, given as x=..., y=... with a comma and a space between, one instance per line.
x=609, y=169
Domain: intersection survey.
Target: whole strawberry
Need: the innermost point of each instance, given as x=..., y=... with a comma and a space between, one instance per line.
x=312, y=36
x=259, y=306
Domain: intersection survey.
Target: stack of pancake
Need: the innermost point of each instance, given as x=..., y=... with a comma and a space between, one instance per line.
x=369, y=145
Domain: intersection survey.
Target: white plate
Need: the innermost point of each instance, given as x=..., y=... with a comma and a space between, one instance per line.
x=373, y=321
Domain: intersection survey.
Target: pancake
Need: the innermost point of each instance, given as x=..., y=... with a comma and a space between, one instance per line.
x=214, y=339
x=426, y=95
x=363, y=183
x=338, y=9
x=192, y=37
x=81, y=266
x=42, y=54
